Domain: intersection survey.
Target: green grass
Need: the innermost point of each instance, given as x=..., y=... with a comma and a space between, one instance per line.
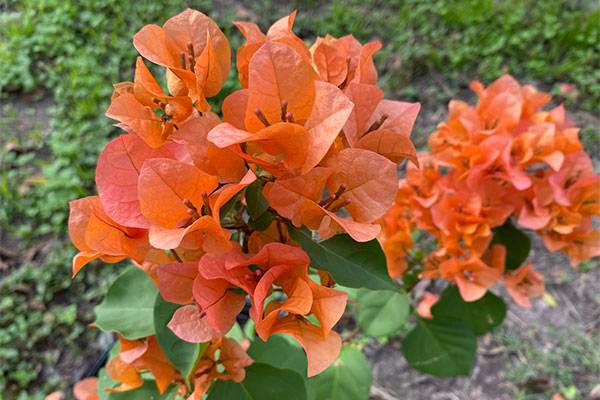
x=74, y=50
x=569, y=362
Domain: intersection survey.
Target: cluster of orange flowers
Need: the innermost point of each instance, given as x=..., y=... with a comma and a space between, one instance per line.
x=504, y=157
x=223, y=358
x=309, y=127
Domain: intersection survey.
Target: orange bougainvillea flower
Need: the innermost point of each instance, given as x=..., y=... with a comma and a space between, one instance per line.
x=190, y=323
x=164, y=184
x=227, y=354
x=278, y=73
x=300, y=199
x=187, y=212
x=500, y=104
x=117, y=177
x=524, y=283
x=176, y=280
x=209, y=284
x=503, y=156
x=97, y=236
x=304, y=297
x=226, y=164
x=194, y=51
x=382, y=126
x=493, y=161
x=581, y=244
x=280, y=32
x=468, y=215
x=344, y=60
x=133, y=105
x=137, y=356
x=539, y=144
x=215, y=285
x=577, y=171
x=283, y=88
x=472, y=276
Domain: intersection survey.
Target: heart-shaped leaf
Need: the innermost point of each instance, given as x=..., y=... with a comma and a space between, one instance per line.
x=348, y=378
x=441, y=347
x=381, y=312
x=280, y=351
x=263, y=382
x=483, y=315
x=351, y=263
x=128, y=307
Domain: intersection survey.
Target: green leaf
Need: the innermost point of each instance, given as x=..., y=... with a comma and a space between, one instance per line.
x=250, y=329
x=262, y=222
x=105, y=382
x=382, y=312
x=256, y=202
x=516, y=241
x=181, y=353
x=351, y=263
x=483, y=315
x=348, y=378
x=280, y=351
x=441, y=347
x=263, y=382
x=128, y=307
x=227, y=207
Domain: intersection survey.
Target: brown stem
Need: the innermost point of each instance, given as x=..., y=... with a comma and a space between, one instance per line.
x=176, y=255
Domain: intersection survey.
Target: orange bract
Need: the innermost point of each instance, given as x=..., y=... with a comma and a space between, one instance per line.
x=204, y=68
x=309, y=131
x=524, y=283
x=231, y=357
x=97, y=236
x=86, y=389
x=137, y=356
x=502, y=157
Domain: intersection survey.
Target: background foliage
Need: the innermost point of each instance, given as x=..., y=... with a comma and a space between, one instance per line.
x=68, y=53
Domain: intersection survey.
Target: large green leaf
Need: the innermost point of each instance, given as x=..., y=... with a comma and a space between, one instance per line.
x=482, y=315
x=182, y=354
x=128, y=307
x=382, y=312
x=263, y=382
x=256, y=202
x=351, y=263
x=441, y=347
x=280, y=351
x=516, y=241
x=348, y=378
